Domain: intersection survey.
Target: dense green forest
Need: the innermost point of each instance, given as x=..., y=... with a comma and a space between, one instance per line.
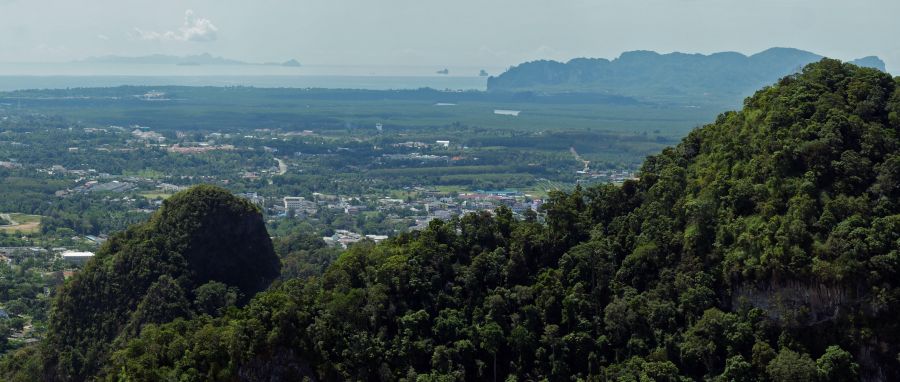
x=203, y=251
x=765, y=246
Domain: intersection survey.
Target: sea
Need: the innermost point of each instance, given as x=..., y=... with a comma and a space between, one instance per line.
x=21, y=76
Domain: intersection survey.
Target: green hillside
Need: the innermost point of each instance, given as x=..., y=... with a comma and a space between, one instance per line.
x=765, y=246
x=203, y=251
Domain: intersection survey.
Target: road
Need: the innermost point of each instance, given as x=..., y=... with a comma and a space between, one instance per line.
x=282, y=167
x=586, y=163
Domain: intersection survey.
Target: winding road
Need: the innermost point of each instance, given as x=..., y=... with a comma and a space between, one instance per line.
x=586, y=163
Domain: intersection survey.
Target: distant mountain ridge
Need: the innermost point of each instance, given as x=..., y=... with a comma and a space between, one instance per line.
x=725, y=77
x=195, y=59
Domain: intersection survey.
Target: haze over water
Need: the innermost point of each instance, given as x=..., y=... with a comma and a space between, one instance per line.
x=68, y=75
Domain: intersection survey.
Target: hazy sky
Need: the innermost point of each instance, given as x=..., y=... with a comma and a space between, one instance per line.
x=457, y=33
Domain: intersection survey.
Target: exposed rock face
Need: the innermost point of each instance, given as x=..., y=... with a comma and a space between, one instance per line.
x=796, y=303
x=284, y=365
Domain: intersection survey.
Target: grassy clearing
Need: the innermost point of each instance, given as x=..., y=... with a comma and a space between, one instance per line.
x=156, y=195
x=26, y=224
x=450, y=189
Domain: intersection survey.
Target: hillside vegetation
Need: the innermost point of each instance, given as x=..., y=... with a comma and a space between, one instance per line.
x=203, y=251
x=765, y=246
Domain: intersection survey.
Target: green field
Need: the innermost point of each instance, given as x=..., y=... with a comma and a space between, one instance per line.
x=295, y=109
x=155, y=195
x=26, y=224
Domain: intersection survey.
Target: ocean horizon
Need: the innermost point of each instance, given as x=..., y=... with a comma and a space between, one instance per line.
x=79, y=75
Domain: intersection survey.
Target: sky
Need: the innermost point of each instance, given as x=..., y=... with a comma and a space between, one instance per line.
x=495, y=33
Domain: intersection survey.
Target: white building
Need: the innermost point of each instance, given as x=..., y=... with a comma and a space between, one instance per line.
x=377, y=238
x=77, y=257
x=443, y=143
x=293, y=203
x=511, y=113
x=299, y=205
x=253, y=198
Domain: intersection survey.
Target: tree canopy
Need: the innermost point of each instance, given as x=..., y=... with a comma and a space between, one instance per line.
x=202, y=249
x=765, y=246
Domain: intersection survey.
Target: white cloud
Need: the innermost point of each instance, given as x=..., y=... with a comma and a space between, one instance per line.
x=194, y=29
x=546, y=51
x=103, y=37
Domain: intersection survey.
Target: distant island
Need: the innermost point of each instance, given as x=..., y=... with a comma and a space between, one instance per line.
x=444, y=71
x=725, y=77
x=291, y=63
x=204, y=59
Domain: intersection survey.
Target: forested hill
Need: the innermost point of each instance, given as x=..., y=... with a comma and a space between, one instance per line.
x=204, y=251
x=720, y=78
x=764, y=247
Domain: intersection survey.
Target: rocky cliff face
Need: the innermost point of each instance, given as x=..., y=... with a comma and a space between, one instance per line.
x=798, y=303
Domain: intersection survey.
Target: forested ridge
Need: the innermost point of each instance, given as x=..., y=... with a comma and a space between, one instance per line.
x=722, y=78
x=764, y=247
